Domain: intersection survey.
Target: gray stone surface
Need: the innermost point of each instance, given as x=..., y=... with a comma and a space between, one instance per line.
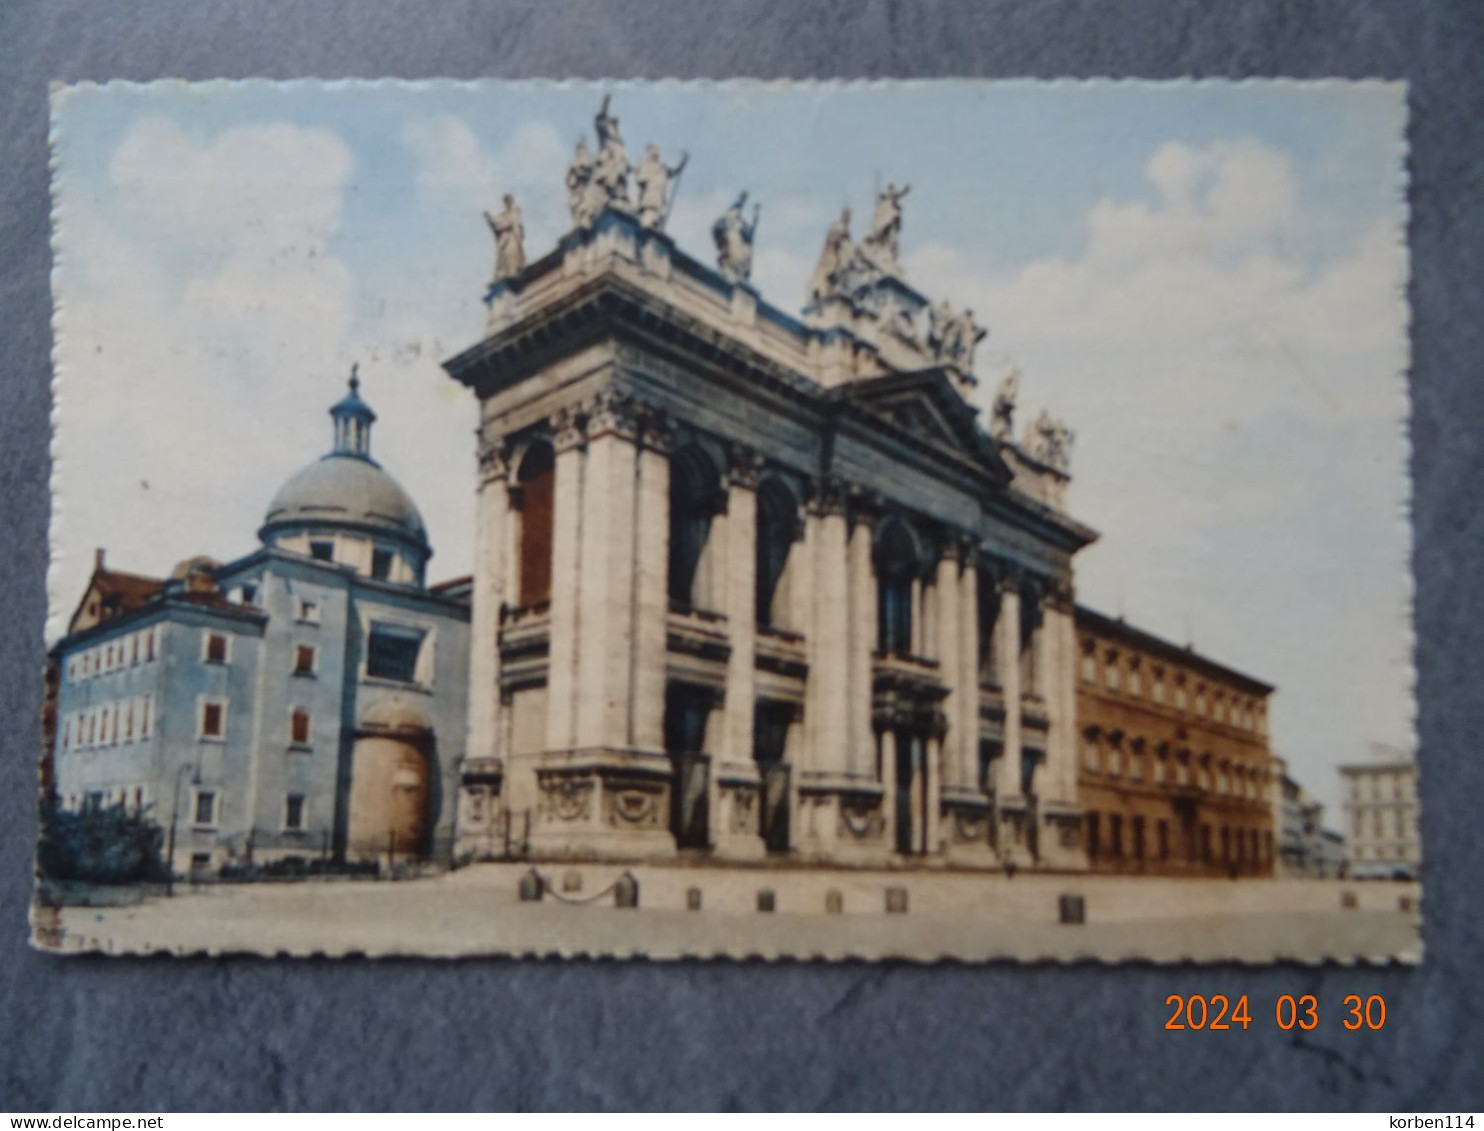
x=94, y=1034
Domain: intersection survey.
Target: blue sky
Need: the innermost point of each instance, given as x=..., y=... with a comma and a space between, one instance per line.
x=1204, y=280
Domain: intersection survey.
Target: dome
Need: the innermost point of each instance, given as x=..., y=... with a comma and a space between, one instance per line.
x=346, y=490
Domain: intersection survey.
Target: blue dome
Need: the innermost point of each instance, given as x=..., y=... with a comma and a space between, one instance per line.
x=346, y=491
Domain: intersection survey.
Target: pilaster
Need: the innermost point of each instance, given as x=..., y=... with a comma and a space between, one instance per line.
x=651, y=592
x=733, y=833
x=566, y=546
x=492, y=514
x=827, y=697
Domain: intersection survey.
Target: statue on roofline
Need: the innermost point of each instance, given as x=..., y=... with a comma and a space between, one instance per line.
x=510, y=235
x=882, y=244
x=734, y=235
x=1002, y=419
x=654, y=180
x=834, y=260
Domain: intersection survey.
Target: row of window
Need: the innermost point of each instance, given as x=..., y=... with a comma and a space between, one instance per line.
x=1116, y=671
x=114, y=655
x=1112, y=837
x=1180, y=769
x=1373, y=824
x=109, y=724
x=1381, y=787
x=392, y=652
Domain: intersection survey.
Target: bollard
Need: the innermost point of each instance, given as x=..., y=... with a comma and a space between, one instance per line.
x=571, y=882
x=766, y=900
x=626, y=891
x=532, y=887
x=1072, y=909
x=693, y=899
x=896, y=901
x=834, y=902
x=1349, y=900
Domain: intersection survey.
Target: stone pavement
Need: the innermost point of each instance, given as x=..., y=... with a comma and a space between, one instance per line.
x=969, y=917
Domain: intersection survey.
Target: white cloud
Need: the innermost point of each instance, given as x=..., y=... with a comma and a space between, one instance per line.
x=1238, y=416
x=199, y=296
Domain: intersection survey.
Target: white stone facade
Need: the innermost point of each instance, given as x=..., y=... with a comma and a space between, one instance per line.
x=752, y=589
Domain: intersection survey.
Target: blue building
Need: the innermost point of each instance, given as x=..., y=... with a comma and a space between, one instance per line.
x=307, y=700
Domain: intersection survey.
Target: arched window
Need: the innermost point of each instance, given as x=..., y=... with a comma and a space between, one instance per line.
x=896, y=564
x=777, y=529
x=536, y=478
x=695, y=495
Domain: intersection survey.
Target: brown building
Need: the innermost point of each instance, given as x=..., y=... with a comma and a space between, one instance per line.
x=1175, y=776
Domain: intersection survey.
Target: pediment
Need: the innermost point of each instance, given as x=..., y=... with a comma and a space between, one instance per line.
x=926, y=405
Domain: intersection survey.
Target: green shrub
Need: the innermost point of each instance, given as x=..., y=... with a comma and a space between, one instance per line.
x=99, y=844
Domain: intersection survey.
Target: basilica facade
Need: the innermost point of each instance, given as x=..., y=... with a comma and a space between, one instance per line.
x=752, y=585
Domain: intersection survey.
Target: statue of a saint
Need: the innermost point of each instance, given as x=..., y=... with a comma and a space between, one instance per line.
x=964, y=340
x=510, y=239
x=833, y=260
x=733, y=236
x=940, y=329
x=1049, y=441
x=883, y=242
x=611, y=172
x=654, y=179
x=583, y=200
x=1002, y=422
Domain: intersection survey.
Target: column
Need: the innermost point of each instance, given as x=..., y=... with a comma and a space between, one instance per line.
x=566, y=538
x=950, y=628
x=861, y=757
x=1007, y=777
x=968, y=717
x=932, y=783
x=606, y=555
x=828, y=691
x=651, y=587
x=740, y=605
x=888, y=740
x=492, y=512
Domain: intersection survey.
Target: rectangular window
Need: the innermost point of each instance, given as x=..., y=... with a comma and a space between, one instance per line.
x=1164, y=840
x=322, y=551
x=304, y=659
x=381, y=564
x=1139, y=838
x=105, y=732
x=151, y=643
x=1093, y=847
x=133, y=649
x=309, y=612
x=293, y=812
x=299, y=727
x=204, y=812
x=146, y=715
x=128, y=709
x=66, y=733
x=215, y=649
x=213, y=719
x=249, y=594
x=1115, y=835
x=392, y=652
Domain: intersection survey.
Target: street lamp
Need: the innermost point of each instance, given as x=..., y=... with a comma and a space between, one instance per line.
x=174, y=818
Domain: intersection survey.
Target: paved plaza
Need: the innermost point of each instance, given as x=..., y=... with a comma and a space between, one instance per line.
x=478, y=910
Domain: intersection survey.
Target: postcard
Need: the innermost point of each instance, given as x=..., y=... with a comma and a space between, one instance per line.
x=801, y=520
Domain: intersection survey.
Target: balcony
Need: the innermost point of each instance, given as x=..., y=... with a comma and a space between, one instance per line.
x=782, y=653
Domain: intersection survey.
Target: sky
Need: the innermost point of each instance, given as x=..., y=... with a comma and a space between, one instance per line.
x=1206, y=281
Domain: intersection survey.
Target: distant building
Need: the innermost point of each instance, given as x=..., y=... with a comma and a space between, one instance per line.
x=1305, y=847
x=1175, y=776
x=1381, y=815
x=307, y=700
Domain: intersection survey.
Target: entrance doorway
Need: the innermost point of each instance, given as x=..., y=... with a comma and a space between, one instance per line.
x=770, y=724
x=686, y=711
x=910, y=793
